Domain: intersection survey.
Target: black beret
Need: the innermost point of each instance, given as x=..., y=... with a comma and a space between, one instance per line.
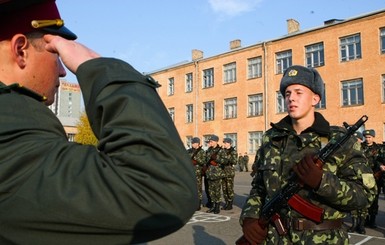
x=195, y=140
x=227, y=140
x=214, y=138
x=308, y=77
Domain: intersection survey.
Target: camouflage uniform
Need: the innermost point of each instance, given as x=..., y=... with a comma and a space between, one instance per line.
x=240, y=162
x=372, y=154
x=246, y=162
x=198, y=157
x=214, y=175
x=227, y=158
x=347, y=182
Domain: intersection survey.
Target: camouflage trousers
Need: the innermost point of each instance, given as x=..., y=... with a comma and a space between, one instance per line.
x=228, y=188
x=198, y=176
x=308, y=237
x=359, y=213
x=215, y=190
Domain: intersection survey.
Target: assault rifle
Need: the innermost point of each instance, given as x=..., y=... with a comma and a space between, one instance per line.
x=288, y=196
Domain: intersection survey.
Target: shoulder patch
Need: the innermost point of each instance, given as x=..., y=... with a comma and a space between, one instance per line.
x=368, y=180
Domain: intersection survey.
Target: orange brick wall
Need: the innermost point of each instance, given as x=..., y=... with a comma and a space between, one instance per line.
x=370, y=68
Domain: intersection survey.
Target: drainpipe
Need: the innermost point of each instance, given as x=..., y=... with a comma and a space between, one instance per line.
x=196, y=88
x=265, y=90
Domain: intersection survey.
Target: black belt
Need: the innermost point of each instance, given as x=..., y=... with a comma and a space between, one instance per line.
x=299, y=224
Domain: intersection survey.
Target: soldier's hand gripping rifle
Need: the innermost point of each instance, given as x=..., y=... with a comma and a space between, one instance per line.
x=288, y=196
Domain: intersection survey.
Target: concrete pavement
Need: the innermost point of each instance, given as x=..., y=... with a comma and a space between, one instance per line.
x=224, y=229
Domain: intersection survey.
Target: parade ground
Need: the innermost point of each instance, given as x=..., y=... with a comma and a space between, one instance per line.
x=224, y=229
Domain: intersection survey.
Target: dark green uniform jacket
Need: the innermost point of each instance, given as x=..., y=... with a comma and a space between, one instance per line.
x=137, y=185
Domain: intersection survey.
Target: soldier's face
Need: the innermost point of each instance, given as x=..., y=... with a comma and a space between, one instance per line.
x=369, y=139
x=300, y=101
x=213, y=143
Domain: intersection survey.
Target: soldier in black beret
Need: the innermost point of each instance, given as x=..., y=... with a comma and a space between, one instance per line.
x=198, y=158
x=60, y=192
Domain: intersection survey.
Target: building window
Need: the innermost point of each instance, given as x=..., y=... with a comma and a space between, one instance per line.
x=230, y=73
x=281, y=105
x=322, y=103
x=254, y=67
x=206, y=138
x=71, y=137
x=350, y=47
x=171, y=86
x=352, y=92
x=171, y=112
x=230, y=108
x=208, y=78
x=188, y=141
x=233, y=137
x=255, y=105
x=189, y=113
x=382, y=40
x=189, y=82
x=208, y=111
x=255, y=141
x=284, y=61
x=315, y=55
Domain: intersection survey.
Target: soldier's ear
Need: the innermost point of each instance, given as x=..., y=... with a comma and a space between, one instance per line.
x=19, y=49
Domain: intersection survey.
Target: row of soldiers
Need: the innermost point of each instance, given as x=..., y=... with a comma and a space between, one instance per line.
x=375, y=153
x=215, y=169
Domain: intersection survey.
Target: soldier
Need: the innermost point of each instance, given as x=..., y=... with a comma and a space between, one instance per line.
x=214, y=174
x=198, y=158
x=359, y=215
x=345, y=181
x=135, y=186
x=227, y=157
x=240, y=162
x=372, y=153
x=246, y=162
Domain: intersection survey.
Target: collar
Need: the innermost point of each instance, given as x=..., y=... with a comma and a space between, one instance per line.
x=320, y=125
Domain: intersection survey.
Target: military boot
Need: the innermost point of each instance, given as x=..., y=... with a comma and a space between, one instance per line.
x=372, y=221
x=216, y=208
x=211, y=210
x=354, y=226
x=229, y=205
x=361, y=226
x=225, y=206
x=209, y=203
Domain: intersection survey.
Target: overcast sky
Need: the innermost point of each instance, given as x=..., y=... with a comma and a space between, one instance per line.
x=153, y=34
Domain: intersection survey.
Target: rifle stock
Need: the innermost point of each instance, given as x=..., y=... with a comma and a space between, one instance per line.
x=287, y=195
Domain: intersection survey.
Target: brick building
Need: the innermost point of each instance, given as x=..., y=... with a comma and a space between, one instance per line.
x=236, y=94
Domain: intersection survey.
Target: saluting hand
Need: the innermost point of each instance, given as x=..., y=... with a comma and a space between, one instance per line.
x=72, y=53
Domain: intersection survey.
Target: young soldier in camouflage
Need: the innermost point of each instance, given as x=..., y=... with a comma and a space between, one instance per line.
x=359, y=215
x=372, y=152
x=344, y=183
x=214, y=174
x=198, y=158
x=227, y=157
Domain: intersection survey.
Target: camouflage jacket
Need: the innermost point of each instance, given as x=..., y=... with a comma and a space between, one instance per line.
x=347, y=182
x=214, y=171
x=198, y=156
x=227, y=158
x=373, y=154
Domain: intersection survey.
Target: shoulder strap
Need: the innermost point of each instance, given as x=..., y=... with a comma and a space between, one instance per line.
x=22, y=90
